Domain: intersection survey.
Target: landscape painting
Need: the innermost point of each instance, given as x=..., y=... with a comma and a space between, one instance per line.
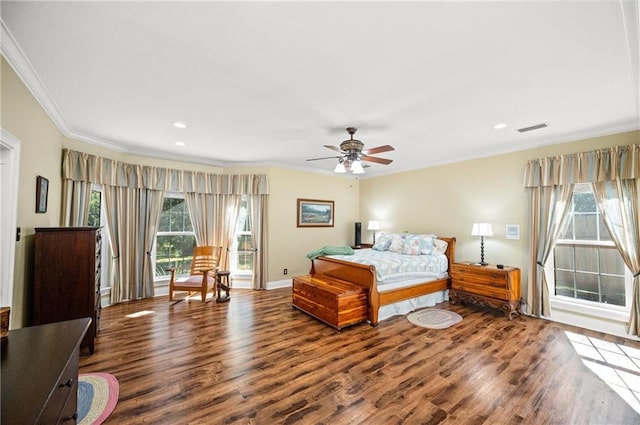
x=315, y=213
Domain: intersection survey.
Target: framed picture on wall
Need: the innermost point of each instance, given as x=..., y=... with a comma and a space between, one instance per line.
x=42, y=192
x=315, y=213
x=513, y=231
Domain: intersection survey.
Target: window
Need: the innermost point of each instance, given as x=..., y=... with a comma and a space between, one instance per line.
x=241, y=258
x=97, y=218
x=586, y=264
x=175, y=239
x=95, y=208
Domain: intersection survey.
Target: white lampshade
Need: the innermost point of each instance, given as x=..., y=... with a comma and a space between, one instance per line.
x=481, y=229
x=373, y=225
x=340, y=168
x=356, y=167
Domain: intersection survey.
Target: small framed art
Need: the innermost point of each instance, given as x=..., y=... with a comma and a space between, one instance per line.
x=513, y=231
x=42, y=193
x=315, y=213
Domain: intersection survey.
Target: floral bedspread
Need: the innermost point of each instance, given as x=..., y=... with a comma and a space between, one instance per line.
x=392, y=267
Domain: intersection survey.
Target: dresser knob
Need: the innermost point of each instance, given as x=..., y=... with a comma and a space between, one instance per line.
x=69, y=383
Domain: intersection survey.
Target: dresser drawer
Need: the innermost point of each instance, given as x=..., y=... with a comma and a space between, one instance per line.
x=489, y=278
x=485, y=290
x=62, y=402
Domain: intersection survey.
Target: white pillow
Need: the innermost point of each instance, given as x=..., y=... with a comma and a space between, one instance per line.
x=383, y=242
x=439, y=246
x=397, y=244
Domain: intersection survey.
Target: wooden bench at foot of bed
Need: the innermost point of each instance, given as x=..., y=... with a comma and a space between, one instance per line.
x=335, y=302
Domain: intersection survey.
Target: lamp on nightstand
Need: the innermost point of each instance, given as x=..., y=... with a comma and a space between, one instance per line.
x=482, y=230
x=373, y=225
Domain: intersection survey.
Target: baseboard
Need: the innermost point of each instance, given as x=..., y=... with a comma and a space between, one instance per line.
x=286, y=283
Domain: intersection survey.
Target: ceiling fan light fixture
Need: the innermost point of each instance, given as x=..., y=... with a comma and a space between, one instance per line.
x=356, y=167
x=340, y=168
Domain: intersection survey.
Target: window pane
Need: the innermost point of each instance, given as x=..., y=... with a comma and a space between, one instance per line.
x=584, y=202
x=242, y=252
x=613, y=290
x=174, y=251
x=94, y=208
x=564, y=283
x=568, y=230
x=587, y=258
x=585, y=227
x=175, y=216
x=564, y=257
x=611, y=262
x=604, y=232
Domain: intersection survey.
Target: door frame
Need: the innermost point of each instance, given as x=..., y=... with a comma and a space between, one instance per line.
x=9, y=174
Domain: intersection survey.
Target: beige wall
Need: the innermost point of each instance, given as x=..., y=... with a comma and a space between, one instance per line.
x=448, y=199
x=40, y=141
x=289, y=244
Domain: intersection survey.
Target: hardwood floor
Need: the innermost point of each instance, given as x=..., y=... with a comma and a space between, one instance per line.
x=255, y=360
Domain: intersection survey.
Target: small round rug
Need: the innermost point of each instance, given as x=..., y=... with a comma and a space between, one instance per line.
x=97, y=397
x=434, y=318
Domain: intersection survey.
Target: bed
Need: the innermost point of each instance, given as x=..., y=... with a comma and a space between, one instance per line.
x=399, y=296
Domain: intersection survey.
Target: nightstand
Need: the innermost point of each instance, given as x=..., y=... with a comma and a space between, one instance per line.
x=486, y=286
x=362, y=245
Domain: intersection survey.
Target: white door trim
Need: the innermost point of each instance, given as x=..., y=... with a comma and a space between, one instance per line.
x=9, y=168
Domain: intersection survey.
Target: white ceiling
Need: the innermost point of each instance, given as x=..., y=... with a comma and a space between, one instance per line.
x=262, y=83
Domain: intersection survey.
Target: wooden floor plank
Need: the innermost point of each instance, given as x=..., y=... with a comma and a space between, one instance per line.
x=256, y=360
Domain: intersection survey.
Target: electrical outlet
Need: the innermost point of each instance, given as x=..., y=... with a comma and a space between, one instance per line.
x=285, y=271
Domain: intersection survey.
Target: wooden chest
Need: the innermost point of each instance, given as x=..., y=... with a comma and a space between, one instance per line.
x=486, y=286
x=335, y=302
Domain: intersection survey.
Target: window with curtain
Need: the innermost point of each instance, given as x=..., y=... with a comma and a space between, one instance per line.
x=587, y=267
x=175, y=239
x=241, y=252
x=97, y=218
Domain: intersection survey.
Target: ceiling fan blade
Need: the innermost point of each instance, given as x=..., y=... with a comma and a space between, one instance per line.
x=379, y=149
x=378, y=160
x=326, y=157
x=335, y=148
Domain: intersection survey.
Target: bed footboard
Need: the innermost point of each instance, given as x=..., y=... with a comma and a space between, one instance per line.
x=360, y=274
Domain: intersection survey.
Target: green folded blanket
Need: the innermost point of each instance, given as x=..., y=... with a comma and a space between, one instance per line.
x=330, y=250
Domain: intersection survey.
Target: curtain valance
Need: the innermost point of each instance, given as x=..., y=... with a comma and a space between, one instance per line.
x=79, y=166
x=620, y=162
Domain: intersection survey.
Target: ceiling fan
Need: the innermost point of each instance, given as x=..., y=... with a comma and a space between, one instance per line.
x=352, y=154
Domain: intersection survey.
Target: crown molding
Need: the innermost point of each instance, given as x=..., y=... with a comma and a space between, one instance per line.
x=19, y=62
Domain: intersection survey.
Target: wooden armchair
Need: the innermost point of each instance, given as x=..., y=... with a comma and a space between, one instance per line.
x=202, y=277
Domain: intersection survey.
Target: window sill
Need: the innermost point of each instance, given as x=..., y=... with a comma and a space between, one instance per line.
x=612, y=314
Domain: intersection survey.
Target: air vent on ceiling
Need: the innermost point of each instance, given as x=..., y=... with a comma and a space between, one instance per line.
x=533, y=127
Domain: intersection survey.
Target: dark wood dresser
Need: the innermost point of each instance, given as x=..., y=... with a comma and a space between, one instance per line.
x=40, y=373
x=486, y=286
x=66, y=283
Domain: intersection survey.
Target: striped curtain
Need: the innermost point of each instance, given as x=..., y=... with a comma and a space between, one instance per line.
x=133, y=200
x=615, y=177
